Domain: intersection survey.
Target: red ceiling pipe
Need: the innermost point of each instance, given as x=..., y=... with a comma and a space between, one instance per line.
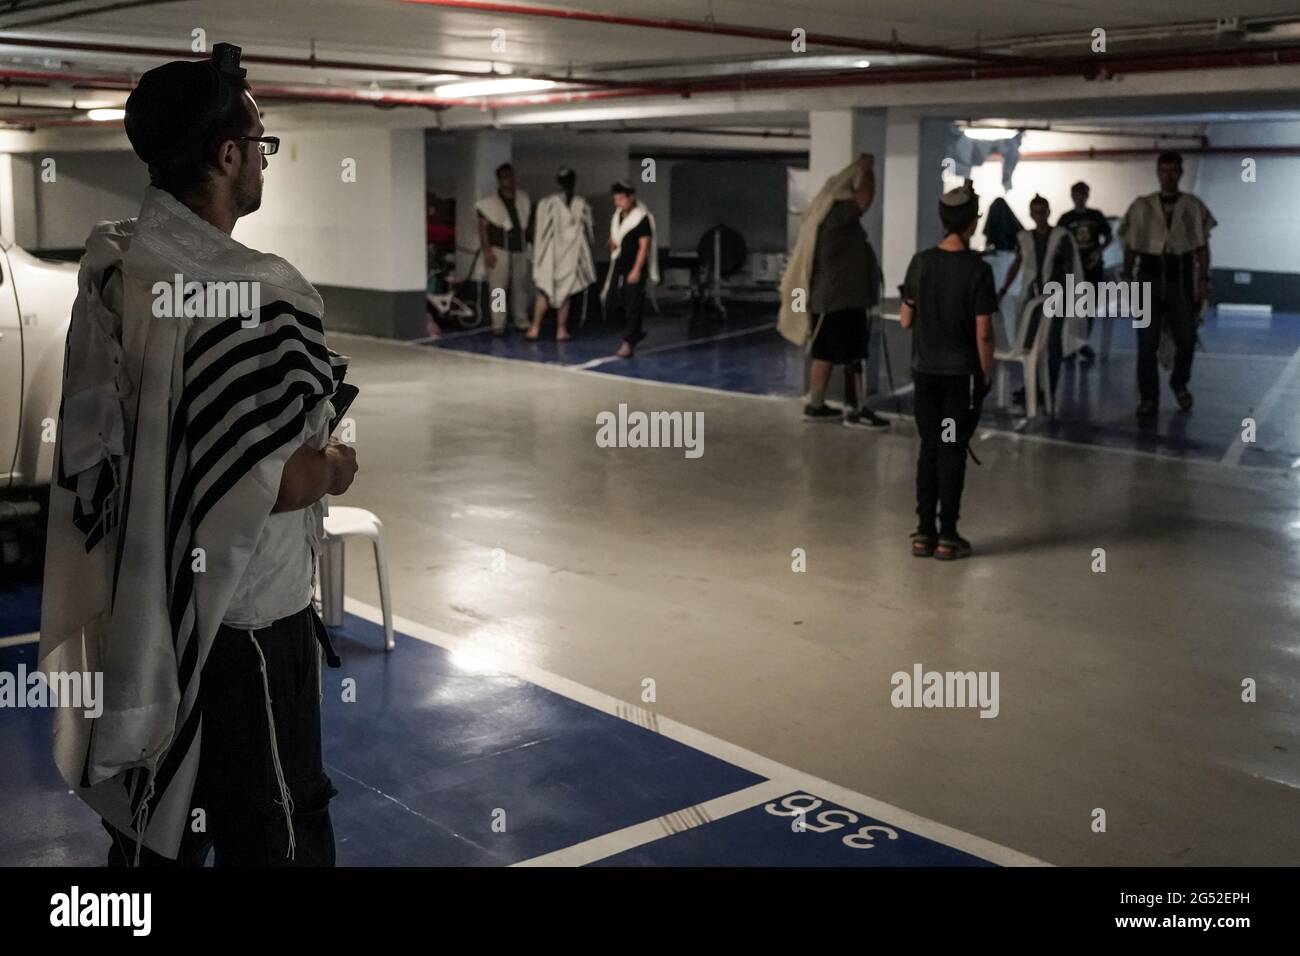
x=722, y=29
x=1254, y=57
x=1270, y=56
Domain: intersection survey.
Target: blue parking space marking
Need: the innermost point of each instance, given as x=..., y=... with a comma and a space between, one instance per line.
x=449, y=747
x=597, y=340
x=435, y=750
x=797, y=829
x=20, y=608
x=44, y=824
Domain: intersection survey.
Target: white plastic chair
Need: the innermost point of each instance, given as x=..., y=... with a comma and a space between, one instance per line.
x=340, y=524
x=1030, y=356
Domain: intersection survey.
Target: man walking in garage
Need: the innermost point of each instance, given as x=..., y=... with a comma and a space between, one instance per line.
x=1167, y=243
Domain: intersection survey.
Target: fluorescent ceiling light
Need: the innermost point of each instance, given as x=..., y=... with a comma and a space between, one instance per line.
x=492, y=87
x=994, y=132
x=808, y=63
x=105, y=115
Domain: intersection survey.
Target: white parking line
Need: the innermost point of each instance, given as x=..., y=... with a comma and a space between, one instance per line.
x=788, y=778
x=1266, y=406
x=639, y=834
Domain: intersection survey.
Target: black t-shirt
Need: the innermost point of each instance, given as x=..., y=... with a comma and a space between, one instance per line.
x=515, y=237
x=946, y=291
x=628, y=248
x=1090, y=228
x=1167, y=204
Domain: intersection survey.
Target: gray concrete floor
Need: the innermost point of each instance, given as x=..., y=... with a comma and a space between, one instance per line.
x=1119, y=691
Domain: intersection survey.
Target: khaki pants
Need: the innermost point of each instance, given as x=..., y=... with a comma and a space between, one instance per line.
x=511, y=274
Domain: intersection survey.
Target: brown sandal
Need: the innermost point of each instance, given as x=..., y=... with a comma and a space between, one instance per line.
x=951, y=549
x=923, y=545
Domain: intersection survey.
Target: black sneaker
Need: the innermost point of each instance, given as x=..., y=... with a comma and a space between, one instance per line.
x=1087, y=354
x=865, y=418
x=1147, y=409
x=1185, y=400
x=821, y=413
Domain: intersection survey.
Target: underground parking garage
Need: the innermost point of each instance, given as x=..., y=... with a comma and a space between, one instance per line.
x=441, y=433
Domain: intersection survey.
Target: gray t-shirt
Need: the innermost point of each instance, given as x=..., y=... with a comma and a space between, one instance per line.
x=841, y=264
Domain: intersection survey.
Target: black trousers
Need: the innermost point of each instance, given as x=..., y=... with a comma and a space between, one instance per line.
x=238, y=788
x=1173, y=307
x=629, y=299
x=950, y=403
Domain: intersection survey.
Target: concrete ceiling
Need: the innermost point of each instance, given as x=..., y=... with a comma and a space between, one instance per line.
x=429, y=40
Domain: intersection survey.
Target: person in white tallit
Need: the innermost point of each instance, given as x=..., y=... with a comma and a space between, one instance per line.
x=1047, y=253
x=562, y=263
x=504, y=230
x=633, y=260
x=191, y=462
x=1167, y=243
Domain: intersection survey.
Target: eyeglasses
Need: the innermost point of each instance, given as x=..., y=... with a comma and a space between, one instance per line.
x=266, y=145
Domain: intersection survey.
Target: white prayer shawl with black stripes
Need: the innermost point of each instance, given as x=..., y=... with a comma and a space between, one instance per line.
x=1074, y=328
x=562, y=262
x=173, y=434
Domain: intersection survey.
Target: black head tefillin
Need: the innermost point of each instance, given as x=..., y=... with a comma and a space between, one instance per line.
x=225, y=57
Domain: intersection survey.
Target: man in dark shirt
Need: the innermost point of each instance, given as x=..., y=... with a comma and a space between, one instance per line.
x=632, y=246
x=838, y=300
x=948, y=301
x=1092, y=234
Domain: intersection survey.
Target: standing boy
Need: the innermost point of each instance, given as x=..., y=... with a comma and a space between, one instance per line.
x=949, y=299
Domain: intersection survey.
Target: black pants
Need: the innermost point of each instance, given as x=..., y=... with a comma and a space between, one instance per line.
x=629, y=298
x=238, y=788
x=1096, y=277
x=941, y=466
x=1172, y=307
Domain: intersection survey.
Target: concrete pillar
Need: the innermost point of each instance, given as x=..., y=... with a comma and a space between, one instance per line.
x=902, y=172
x=18, y=221
x=347, y=211
x=930, y=184
x=477, y=155
x=836, y=139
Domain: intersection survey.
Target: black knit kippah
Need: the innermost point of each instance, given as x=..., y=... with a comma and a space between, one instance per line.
x=168, y=107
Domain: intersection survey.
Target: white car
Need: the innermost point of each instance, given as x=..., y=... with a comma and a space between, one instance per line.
x=36, y=299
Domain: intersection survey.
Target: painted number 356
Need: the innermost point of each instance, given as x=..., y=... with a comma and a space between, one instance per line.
x=802, y=804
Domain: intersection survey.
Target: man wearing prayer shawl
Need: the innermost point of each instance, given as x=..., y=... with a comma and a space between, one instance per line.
x=562, y=263
x=1167, y=244
x=505, y=227
x=193, y=455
